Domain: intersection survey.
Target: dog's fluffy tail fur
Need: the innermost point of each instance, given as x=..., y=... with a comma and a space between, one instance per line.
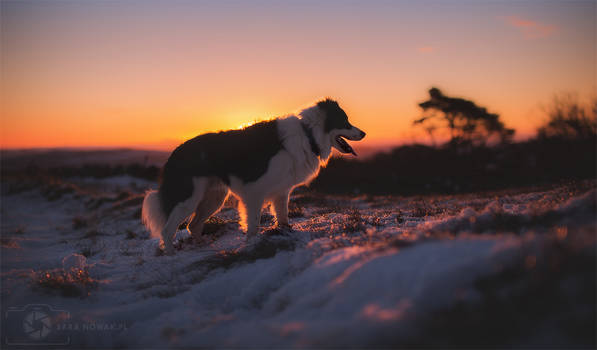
x=153, y=216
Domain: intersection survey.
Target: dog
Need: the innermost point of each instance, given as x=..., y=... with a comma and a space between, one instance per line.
x=260, y=163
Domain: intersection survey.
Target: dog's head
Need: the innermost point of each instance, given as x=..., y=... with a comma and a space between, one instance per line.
x=337, y=127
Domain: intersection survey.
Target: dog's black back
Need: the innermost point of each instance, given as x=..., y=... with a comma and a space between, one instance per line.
x=244, y=154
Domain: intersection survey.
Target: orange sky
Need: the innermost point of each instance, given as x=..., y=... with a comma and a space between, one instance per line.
x=151, y=74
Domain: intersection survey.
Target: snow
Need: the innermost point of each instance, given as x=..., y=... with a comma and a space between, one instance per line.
x=359, y=272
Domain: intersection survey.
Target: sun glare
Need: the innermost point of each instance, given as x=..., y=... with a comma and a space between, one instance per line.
x=247, y=124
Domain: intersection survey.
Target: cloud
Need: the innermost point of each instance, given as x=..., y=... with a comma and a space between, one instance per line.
x=426, y=49
x=530, y=29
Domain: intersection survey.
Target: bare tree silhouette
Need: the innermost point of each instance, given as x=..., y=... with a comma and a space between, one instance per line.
x=569, y=119
x=468, y=123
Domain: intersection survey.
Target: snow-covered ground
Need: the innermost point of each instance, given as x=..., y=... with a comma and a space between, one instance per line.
x=508, y=269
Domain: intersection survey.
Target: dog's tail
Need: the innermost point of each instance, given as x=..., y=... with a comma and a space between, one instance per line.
x=152, y=214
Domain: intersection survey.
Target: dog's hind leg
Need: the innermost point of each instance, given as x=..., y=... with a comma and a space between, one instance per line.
x=182, y=211
x=280, y=203
x=253, y=207
x=212, y=201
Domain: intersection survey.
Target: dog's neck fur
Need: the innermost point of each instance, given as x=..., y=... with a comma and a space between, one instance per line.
x=314, y=119
x=312, y=142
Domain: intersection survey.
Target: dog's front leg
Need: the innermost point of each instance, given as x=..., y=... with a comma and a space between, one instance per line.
x=253, y=213
x=167, y=238
x=280, y=203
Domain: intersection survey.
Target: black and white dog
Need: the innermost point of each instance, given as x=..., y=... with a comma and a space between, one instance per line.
x=260, y=163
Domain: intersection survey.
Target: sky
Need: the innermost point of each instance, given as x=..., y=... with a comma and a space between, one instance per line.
x=151, y=74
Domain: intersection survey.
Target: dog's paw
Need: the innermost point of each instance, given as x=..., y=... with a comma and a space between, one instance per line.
x=279, y=230
x=169, y=251
x=284, y=227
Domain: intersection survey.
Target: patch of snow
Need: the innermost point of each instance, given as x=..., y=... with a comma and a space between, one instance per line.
x=316, y=286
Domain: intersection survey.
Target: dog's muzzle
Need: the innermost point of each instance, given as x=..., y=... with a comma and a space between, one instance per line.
x=355, y=134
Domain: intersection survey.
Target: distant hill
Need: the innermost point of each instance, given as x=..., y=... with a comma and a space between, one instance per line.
x=74, y=157
x=61, y=157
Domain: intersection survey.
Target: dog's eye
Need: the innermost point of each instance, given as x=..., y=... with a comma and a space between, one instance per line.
x=347, y=125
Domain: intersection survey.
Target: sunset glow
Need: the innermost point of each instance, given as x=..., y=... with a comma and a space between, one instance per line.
x=152, y=74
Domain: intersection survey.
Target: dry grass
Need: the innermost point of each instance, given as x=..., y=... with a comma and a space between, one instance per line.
x=8, y=243
x=213, y=225
x=295, y=211
x=423, y=210
x=399, y=217
x=267, y=219
x=55, y=190
x=74, y=283
x=265, y=248
x=354, y=222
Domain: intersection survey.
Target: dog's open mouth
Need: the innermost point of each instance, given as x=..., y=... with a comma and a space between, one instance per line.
x=345, y=147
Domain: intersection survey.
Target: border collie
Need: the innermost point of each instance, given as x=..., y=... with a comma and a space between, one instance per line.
x=260, y=163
